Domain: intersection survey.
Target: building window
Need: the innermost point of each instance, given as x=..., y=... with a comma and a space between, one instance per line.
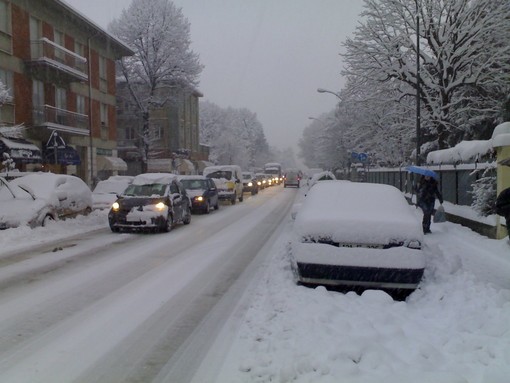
x=7, y=109
x=103, y=78
x=38, y=101
x=36, y=48
x=7, y=79
x=80, y=104
x=79, y=48
x=59, y=40
x=61, y=105
x=104, y=114
x=5, y=20
x=156, y=132
x=131, y=133
x=5, y=27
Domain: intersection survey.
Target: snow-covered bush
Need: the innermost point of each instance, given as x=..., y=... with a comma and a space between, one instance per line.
x=484, y=193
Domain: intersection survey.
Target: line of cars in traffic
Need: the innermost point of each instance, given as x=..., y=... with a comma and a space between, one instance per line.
x=151, y=201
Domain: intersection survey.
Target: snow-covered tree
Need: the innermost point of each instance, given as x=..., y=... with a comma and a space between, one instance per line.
x=235, y=136
x=163, y=64
x=464, y=57
x=485, y=192
x=4, y=93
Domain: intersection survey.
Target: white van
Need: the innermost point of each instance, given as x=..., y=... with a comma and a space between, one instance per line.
x=228, y=181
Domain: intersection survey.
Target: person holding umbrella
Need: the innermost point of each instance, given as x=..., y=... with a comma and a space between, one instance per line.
x=426, y=192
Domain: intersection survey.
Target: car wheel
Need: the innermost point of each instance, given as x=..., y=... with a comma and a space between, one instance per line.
x=169, y=224
x=187, y=218
x=115, y=229
x=233, y=200
x=241, y=197
x=207, y=208
x=47, y=219
x=217, y=206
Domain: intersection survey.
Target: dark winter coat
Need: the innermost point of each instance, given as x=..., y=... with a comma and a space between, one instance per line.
x=427, y=191
x=503, y=203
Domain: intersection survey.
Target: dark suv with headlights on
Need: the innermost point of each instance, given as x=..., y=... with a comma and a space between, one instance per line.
x=202, y=191
x=153, y=202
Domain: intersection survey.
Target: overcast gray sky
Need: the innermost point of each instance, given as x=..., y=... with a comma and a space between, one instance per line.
x=268, y=56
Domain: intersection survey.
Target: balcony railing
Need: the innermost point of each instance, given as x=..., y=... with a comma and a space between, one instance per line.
x=61, y=119
x=46, y=53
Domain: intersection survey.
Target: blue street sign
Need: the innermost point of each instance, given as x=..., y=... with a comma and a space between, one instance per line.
x=354, y=155
x=362, y=157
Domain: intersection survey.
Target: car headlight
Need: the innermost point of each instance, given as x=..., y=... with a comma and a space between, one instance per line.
x=160, y=206
x=259, y=183
x=115, y=206
x=199, y=198
x=250, y=184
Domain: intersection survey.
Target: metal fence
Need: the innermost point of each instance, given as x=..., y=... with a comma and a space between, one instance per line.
x=455, y=181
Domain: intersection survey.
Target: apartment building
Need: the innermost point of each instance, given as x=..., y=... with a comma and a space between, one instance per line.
x=173, y=139
x=59, y=67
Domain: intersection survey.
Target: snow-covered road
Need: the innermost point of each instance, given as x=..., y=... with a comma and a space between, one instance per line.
x=215, y=302
x=106, y=307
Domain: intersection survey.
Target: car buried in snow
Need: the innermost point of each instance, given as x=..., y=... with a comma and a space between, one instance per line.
x=153, y=202
x=106, y=191
x=20, y=207
x=357, y=236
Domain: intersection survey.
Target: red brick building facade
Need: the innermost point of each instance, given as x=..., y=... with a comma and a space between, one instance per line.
x=60, y=70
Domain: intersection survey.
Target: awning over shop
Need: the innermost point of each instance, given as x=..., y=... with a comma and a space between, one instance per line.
x=163, y=165
x=111, y=163
x=185, y=166
x=20, y=150
x=65, y=156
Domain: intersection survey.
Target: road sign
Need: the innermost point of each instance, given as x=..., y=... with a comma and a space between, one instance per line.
x=362, y=157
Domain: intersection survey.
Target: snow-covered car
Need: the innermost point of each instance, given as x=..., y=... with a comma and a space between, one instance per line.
x=72, y=194
x=202, y=191
x=20, y=207
x=105, y=193
x=250, y=183
x=228, y=181
x=153, y=202
x=325, y=175
x=359, y=236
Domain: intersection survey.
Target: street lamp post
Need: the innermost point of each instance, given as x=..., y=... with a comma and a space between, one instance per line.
x=321, y=90
x=418, y=122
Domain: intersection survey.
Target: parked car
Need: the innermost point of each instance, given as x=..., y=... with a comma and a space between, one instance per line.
x=292, y=178
x=153, y=202
x=20, y=207
x=228, y=181
x=325, y=175
x=72, y=193
x=250, y=184
x=357, y=236
x=105, y=193
x=202, y=191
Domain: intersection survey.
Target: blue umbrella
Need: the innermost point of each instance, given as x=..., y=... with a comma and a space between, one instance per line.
x=422, y=171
